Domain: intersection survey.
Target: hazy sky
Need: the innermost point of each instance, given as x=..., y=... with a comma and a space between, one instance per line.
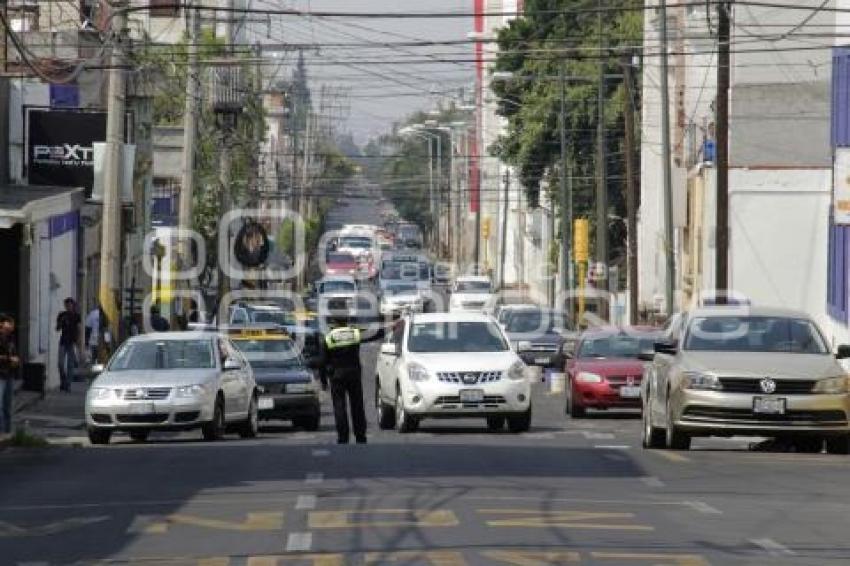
x=381, y=86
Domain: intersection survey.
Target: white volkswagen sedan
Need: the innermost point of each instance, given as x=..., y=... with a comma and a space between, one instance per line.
x=173, y=381
x=451, y=365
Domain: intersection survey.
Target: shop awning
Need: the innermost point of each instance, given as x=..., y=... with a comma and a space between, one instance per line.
x=31, y=203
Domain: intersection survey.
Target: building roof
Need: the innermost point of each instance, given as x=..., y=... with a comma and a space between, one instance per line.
x=27, y=203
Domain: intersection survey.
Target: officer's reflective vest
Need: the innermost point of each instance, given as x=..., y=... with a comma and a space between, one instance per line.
x=342, y=338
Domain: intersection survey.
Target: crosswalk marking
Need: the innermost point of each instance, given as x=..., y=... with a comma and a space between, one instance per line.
x=299, y=542
x=382, y=518
x=157, y=525
x=533, y=518
x=532, y=558
x=432, y=557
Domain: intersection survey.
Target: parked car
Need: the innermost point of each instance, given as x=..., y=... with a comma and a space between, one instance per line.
x=541, y=336
x=286, y=386
x=451, y=366
x=751, y=371
x=173, y=381
x=606, y=371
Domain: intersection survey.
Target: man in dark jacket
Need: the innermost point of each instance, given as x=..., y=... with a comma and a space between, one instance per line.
x=68, y=326
x=9, y=364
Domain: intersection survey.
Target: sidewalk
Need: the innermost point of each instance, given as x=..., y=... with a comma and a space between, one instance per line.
x=58, y=417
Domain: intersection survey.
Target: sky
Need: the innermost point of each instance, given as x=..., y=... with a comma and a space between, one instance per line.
x=376, y=86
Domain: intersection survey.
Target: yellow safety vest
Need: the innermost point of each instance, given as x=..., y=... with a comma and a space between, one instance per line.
x=342, y=338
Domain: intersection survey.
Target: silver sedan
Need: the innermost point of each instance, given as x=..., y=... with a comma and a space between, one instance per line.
x=727, y=371
x=173, y=381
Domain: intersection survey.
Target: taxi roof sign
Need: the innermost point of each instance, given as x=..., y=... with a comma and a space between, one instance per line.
x=267, y=332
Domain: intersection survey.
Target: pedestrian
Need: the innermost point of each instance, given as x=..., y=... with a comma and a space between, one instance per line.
x=9, y=364
x=68, y=326
x=158, y=322
x=341, y=357
x=94, y=332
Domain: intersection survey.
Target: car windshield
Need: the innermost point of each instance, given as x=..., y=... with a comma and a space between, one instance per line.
x=273, y=317
x=615, y=346
x=164, y=354
x=473, y=286
x=754, y=334
x=437, y=337
x=401, y=289
x=341, y=258
x=337, y=287
x=357, y=242
x=536, y=321
x=269, y=353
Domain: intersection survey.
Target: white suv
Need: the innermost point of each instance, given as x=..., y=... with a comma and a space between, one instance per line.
x=472, y=293
x=451, y=365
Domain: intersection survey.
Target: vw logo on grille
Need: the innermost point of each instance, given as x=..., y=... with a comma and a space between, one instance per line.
x=470, y=378
x=767, y=385
x=140, y=393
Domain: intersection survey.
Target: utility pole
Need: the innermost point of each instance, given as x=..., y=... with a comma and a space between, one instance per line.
x=601, y=165
x=225, y=160
x=722, y=102
x=667, y=167
x=110, y=255
x=190, y=130
x=504, y=247
x=631, y=192
x=566, y=190
x=439, y=183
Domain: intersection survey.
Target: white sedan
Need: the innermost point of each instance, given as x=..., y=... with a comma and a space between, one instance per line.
x=451, y=365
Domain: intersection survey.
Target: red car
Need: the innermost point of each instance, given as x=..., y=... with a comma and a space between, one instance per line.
x=605, y=372
x=341, y=264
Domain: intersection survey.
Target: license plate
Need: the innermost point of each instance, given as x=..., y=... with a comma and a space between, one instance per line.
x=142, y=408
x=769, y=405
x=265, y=403
x=296, y=388
x=471, y=395
x=541, y=360
x=630, y=392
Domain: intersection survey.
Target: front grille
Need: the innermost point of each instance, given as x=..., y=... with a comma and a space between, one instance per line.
x=469, y=377
x=455, y=400
x=147, y=394
x=186, y=417
x=753, y=385
x=100, y=418
x=152, y=418
x=724, y=413
x=621, y=380
x=544, y=347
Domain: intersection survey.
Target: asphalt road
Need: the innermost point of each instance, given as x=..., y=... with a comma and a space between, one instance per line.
x=568, y=492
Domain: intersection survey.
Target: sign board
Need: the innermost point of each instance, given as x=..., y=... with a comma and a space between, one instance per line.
x=841, y=187
x=60, y=147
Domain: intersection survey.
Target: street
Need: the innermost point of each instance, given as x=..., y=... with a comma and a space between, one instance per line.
x=568, y=492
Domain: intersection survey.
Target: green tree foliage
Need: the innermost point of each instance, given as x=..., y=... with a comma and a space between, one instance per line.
x=554, y=37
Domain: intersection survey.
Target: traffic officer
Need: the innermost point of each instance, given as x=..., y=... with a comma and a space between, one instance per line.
x=341, y=356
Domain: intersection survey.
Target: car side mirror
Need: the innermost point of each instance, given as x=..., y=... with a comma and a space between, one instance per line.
x=231, y=364
x=843, y=352
x=668, y=348
x=97, y=368
x=646, y=355
x=389, y=349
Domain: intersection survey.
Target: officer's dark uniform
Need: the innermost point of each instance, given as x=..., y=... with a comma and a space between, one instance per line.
x=341, y=347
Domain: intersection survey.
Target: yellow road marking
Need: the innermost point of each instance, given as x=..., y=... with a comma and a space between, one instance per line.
x=10, y=530
x=313, y=559
x=671, y=456
x=434, y=558
x=381, y=518
x=563, y=519
x=252, y=522
x=530, y=558
x=666, y=559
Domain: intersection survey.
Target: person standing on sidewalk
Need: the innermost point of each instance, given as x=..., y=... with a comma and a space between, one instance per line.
x=9, y=364
x=68, y=326
x=93, y=331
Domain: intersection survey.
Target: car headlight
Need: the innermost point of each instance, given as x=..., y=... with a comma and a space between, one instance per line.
x=517, y=371
x=100, y=393
x=568, y=347
x=587, y=377
x=190, y=390
x=702, y=381
x=417, y=372
x=832, y=385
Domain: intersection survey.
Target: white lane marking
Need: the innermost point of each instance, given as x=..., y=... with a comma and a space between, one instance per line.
x=299, y=542
x=611, y=446
x=652, y=481
x=539, y=435
x=703, y=507
x=598, y=435
x=772, y=547
x=305, y=502
x=314, y=478
x=321, y=452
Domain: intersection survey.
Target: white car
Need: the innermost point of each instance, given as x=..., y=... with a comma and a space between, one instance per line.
x=173, y=381
x=397, y=298
x=472, y=293
x=446, y=365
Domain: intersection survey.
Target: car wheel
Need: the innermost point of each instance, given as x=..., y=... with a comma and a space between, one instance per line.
x=520, y=423
x=403, y=421
x=676, y=438
x=838, y=445
x=651, y=436
x=99, y=435
x=386, y=414
x=249, y=428
x=139, y=435
x=214, y=429
x=495, y=424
